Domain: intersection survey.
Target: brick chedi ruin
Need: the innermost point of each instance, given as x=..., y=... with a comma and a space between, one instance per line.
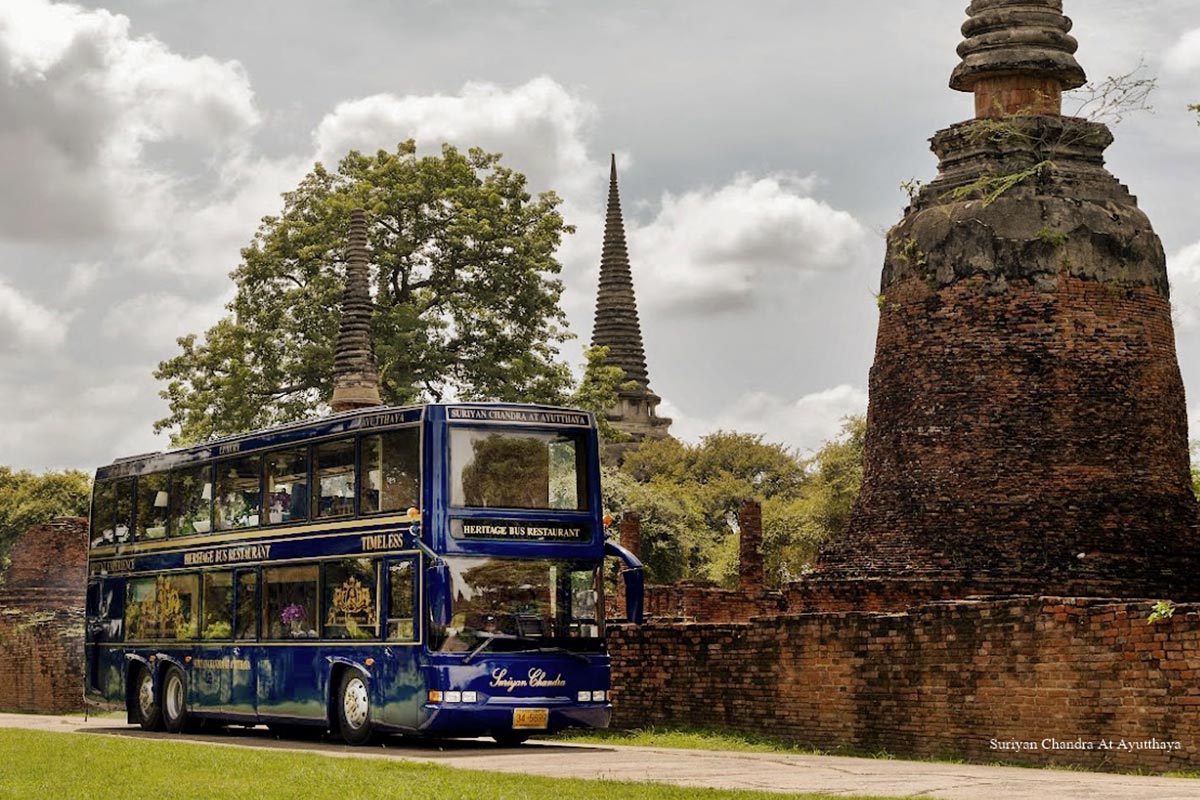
x=355, y=377
x=617, y=327
x=1027, y=429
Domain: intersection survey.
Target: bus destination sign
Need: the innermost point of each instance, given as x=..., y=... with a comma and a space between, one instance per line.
x=500, y=529
x=520, y=416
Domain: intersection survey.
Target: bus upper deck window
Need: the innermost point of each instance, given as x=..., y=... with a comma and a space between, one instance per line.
x=239, y=494
x=191, y=501
x=390, y=473
x=152, y=506
x=287, y=486
x=103, y=514
x=333, y=474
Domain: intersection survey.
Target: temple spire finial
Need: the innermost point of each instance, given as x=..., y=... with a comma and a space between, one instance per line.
x=1018, y=58
x=355, y=377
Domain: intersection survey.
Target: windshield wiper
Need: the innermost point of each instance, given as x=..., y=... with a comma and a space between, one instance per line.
x=488, y=639
x=491, y=637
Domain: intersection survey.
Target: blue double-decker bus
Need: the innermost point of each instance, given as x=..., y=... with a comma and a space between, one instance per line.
x=434, y=570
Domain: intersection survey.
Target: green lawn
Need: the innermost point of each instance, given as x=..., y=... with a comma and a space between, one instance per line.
x=66, y=765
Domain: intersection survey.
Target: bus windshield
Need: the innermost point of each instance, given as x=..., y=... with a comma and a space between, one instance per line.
x=540, y=470
x=515, y=605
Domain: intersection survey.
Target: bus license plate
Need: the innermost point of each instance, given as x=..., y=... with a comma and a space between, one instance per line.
x=531, y=717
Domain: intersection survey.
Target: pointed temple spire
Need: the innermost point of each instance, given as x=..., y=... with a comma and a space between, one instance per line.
x=1018, y=58
x=617, y=327
x=355, y=378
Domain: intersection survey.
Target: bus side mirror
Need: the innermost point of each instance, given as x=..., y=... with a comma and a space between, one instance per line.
x=635, y=582
x=437, y=584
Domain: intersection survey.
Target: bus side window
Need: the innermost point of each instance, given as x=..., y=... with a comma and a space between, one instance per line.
x=103, y=513
x=390, y=473
x=218, y=606
x=124, y=501
x=333, y=474
x=239, y=494
x=247, y=605
x=152, y=505
x=191, y=501
x=292, y=602
x=287, y=486
x=402, y=596
x=351, y=608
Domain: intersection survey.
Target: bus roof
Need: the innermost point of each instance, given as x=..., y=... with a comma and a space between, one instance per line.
x=345, y=422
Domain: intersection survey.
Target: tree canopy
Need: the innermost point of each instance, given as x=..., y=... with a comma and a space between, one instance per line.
x=687, y=497
x=27, y=499
x=465, y=285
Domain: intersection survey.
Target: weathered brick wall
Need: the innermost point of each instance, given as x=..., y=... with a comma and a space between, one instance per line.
x=942, y=679
x=700, y=601
x=41, y=658
x=42, y=619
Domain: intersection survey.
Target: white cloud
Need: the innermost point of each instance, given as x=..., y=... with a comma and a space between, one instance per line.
x=1183, y=268
x=1184, y=55
x=721, y=249
x=27, y=324
x=539, y=126
x=803, y=424
x=153, y=321
x=83, y=101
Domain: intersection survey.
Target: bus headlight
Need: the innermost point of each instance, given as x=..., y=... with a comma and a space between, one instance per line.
x=599, y=697
x=584, y=697
x=453, y=697
x=470, y=697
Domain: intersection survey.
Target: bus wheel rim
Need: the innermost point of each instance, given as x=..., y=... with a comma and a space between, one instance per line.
x=174, y=697
x=146, y=696
x=354, y=703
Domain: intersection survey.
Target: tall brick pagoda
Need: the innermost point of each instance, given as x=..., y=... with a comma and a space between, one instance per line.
x=1027, y=429
x=355, y=377
x=617, y=327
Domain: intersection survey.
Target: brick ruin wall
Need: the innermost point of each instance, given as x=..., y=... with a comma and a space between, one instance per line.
x=940, y=680
x=42, y=619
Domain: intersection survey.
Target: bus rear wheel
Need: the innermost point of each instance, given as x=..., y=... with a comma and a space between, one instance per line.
x=145, y=701
x=354, y=708
x=174, y=700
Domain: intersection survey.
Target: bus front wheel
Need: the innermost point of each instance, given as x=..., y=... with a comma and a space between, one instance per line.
x=354, y=708
x=145, y=702
x=174, y=700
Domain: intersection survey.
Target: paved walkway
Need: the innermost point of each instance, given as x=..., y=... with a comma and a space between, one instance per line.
x=761, y=771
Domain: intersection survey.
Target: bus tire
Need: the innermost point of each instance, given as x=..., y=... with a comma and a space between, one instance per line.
x=174, y=700
x=354, y=708
x=147, y=709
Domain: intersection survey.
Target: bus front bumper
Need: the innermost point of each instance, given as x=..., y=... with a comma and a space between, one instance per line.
x=530, y=716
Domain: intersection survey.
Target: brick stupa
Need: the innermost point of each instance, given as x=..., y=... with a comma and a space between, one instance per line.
x=355, y=377
x=618, y=328
x=1027, y=429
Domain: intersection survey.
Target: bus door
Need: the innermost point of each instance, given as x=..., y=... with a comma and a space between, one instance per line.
x=223, y=670
x=400, y=682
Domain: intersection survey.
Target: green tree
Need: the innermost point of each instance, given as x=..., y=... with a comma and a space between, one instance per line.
x=688, y=497
x=27, y=499
x=598, y=390
x=466, y=294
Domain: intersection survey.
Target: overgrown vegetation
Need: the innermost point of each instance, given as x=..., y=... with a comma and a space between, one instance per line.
x=688, y=497
x=27, y=499
x=64, y=766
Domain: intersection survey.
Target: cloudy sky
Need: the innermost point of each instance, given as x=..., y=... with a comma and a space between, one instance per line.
x=761, y=144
